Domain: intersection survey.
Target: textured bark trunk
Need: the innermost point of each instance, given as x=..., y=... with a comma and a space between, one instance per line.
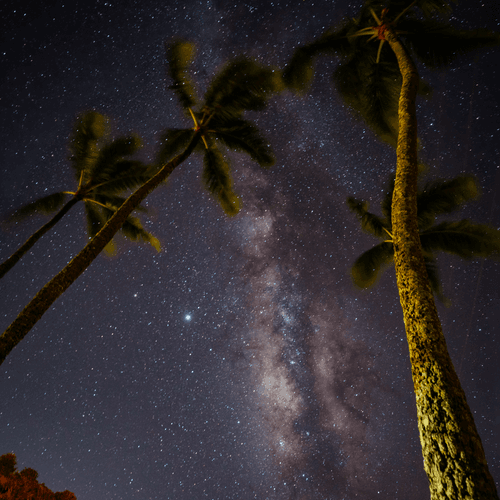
x=57, y=285
x=8, y=264
x=454, y=459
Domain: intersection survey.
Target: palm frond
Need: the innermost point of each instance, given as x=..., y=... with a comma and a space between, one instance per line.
x=104, y=167
x=99, y=214
x=112, y=202
x=444, y=196
x=128, y=175
x=430, y=8
x=367, y=267
x=133, y=230
x=462, y=238
x=243, y=136
x=95, y=218
x=172, y=142
x=89, y=128
x=370, y=223
x=437, y=44
x=435, y=281
x=216, y=176
x=46, y=205
x=372, y=90
x=218, y=181
x=365, y=17
x=229, y=202
x=242, y=85
x=104, y=214
x=180, y=55
x=397, y=9
x=386, y=203
x=299, y=72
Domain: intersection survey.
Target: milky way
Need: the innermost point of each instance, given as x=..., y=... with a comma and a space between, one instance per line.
x=240, y=361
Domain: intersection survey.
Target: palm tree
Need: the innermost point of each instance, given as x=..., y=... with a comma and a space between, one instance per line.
x=462, y=238
x=381, y=86
x=102, y=173
x=241, y=85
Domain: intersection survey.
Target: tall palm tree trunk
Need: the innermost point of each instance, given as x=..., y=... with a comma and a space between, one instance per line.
x=454, y=459
x=8, y=264
x=61, y=282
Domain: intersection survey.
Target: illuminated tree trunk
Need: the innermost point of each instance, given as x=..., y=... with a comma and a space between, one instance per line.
x=454, y=459
x=61, y=282
x=8, y=264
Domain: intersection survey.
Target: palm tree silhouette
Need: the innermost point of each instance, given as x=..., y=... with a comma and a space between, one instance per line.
x=240, y=86
x=381, y=85
x=102, y=174
x=462, y=238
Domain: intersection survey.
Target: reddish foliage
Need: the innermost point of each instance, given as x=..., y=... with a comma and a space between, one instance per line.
x=23, y=485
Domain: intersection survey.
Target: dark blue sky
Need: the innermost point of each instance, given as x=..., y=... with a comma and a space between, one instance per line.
x=239, y=362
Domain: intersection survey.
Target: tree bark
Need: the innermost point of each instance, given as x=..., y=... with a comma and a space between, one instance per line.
x=61, y=282
x=454, y=459
x=8, y=264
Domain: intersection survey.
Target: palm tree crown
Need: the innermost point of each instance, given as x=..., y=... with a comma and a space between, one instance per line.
x=462, y=238
x=368, y=77
x=103, y=172
x=240, y=86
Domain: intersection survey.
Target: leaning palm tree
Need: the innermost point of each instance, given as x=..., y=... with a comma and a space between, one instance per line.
x=380, y=82
x=240, y=86
x=102, y=173
x=462, y=238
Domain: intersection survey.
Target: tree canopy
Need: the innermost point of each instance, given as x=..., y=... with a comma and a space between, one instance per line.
x=434, y=199
x=24, y=485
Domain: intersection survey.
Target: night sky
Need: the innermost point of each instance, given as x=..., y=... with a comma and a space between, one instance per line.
x=240, y=361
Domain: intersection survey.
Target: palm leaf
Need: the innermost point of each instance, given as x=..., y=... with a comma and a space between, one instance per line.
x=299, y=72
x=127, y=175
x=88, y=130
x=46, y=205
x=371, y=90
x=367, y=267
x=180, y=55
x=216, y=176
x=370, y=223
x=95, y=218
x=462, y=238
x=98, y=215
x=243, y=136
x=95, y=222
x=113, y=202
x=242, y=85
x=104, y=167
x=431, y=7
x=217, y=179
x=133, y=230
x=437, y=44
x=386, y=203
x=444, y=196
x=172, y=142
x=435, y=281
x=397, y=7
x=230, y=203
